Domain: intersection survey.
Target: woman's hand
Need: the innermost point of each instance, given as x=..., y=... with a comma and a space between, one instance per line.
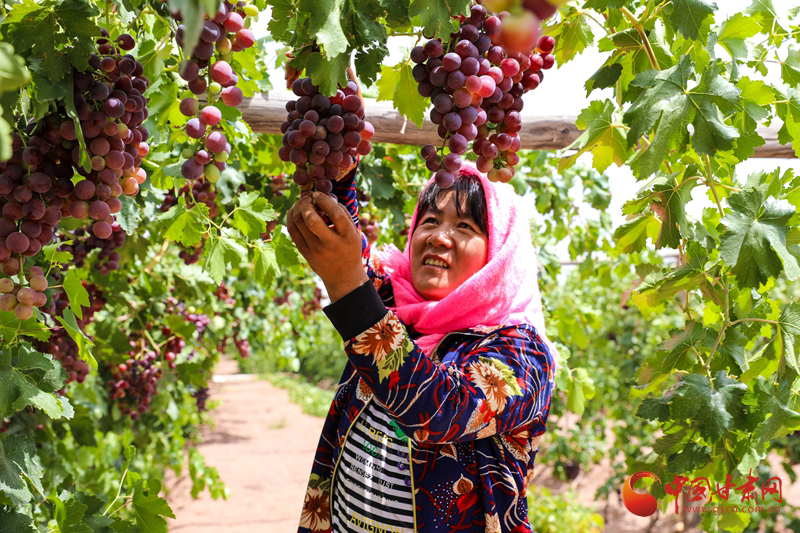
x=334, y=253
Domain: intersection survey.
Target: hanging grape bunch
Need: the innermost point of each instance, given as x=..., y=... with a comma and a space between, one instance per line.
x=21, y=300
x=476, y=85
x=323, y=136
x=221, y=36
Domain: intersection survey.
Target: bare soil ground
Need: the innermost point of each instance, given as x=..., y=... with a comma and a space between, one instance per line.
x=263, y=447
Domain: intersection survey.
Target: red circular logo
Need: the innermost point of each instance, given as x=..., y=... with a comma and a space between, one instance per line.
x=639, y=504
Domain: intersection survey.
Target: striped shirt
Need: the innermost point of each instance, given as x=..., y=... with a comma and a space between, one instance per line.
x=372, y=489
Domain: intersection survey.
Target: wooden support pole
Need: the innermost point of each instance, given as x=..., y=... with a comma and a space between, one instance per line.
x=266, y=111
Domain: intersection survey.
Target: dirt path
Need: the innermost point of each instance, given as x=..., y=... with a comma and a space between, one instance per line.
x=263, y=447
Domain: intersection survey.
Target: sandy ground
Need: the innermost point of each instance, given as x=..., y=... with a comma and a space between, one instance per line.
x=263, y=447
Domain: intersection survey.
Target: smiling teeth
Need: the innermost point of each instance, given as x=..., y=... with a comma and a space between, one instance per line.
x=436, y=262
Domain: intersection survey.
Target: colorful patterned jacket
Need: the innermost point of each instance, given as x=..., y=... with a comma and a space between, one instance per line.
x=475, y=412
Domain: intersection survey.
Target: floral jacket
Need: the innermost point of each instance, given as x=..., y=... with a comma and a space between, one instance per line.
x=475, y=412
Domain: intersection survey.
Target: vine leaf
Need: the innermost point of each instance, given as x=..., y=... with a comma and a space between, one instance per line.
x=573, y=35
x=282, y=13
x=580, y=388
x=764, y=13
x=77, y=294
x=771, y=412
x=328, y=73
x=790, y=69
x=667, y=198
x=69, y=516
x=684, y=345
x=325, y=25
x=687, y=16
x=713, y=408
x=149, y=509
x=603, y=135
x=218, y=252
x=265, y=264
x=14, y=522
x=31, y=378
x=668, y=106
x=733, y=32
x=398, y=85
x=754, y=243
x=786, y=337
x=18, y=466
x=81, y=340
x=186, y=226
x=435, y=15
x=253, y=214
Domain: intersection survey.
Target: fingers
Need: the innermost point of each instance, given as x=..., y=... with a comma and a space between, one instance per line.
x=304, y=222
x=295, y=234
x=336, y=212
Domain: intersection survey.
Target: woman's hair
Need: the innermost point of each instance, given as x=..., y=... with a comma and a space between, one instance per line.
x=464, y=184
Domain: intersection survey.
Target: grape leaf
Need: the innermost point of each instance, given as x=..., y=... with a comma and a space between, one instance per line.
x=668, y=106
x=398, y=85
x=218, y=252
x=69, y=516
x=13, y=73
x=77, y=294
x=603, y=135
x=11, y=326
x=763, y=12
x=265, y=264
x=712, y=408
x=396, y=12
x=252, y=214
x=18, y=465
x=668, y=200
x=684, y=278
x=285, y=251
x=790, y=69
x=81, y=340
x=573, y=35
x=325, y=25
x=771, y=413
x=631, y=236
x=605, y=77
x=655, y=408
x=368, y=63
x=328, y=74
x=282, y=13
x=734, y=31
x=13, y=522
x=690, y=456
x=754, y=243
x=687, y=16
x=684, y=345
x=186, y=226
x=789, y=112
x=600, y=5
x=93, y=517
x=31, y=379
x=786, y=336
x=435, y=15
x=580, y=388
x=149, y=509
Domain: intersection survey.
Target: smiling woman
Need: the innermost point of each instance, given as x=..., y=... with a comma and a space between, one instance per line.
x=447, y=337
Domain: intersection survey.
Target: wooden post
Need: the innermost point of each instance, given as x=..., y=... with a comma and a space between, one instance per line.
x=266, y=111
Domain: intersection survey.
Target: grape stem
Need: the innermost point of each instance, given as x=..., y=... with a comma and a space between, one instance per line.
x=638, y=26
x=158, y=257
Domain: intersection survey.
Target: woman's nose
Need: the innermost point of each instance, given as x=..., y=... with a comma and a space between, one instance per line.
x=441, y=236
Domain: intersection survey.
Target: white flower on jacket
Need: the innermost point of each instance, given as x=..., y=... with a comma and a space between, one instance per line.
x=496, y=380
x=492, y=523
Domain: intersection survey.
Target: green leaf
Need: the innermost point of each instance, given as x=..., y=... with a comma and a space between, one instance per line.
x=763, y=12
x=282, y=13
x=605, y=77
x=325, y=25
x=328, y=74
x=13, y=73
x=149, y=509
x=252, y=215
x=709, y=406
x=186, y=226
x=31, y=379
x=684, y=345
x=19, y=466
x=81, y=340
x=790, y=69
x=435, y=15
x=398, y=85
x=733, y=32
x=754, y=243
x=632, y=235
x=580, y=388
x=77, y=294
x=655, y=408
x=690, y=457
x=285, y=250
x=786, y=336
x=603, y=135
x=687, y=16
x=70, y=520
x=771, y=413
x=573, y=35
x=11, y=327
x=265, y=263
x=13, y=522
x=218, y=252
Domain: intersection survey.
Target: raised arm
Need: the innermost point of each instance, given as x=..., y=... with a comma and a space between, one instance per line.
x=504, y=383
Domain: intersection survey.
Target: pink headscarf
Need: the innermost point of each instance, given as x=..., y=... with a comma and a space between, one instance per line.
x=505, y=291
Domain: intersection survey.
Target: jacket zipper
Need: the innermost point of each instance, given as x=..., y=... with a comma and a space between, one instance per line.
x=336, y=466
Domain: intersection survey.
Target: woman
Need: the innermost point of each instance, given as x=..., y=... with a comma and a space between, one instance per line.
x=446, y=392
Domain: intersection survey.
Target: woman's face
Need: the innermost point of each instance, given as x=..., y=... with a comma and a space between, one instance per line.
x=447, y=237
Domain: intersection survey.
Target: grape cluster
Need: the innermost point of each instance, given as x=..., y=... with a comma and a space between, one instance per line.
x=199, y=320
x=322, y=136
x=476, y=87
x=174, y=345
x=222, y=35
x=369, y=226
x=225, y=294
x=242, y=346
x=200, y=191
x=135, y=382
x=278, y=185
x=201, y=397
x=22, y=300
x=83, y=242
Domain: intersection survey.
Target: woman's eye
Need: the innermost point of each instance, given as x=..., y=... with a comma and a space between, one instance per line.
x=465, y=225
x=429, y=219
